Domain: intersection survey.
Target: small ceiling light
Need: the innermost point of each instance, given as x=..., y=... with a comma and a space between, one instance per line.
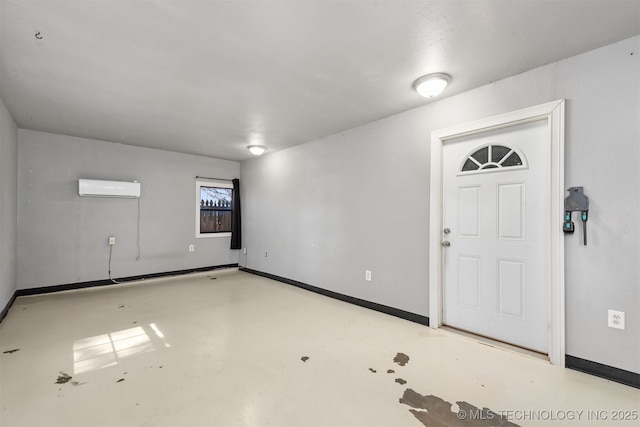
x=257, y=149
x=432, y=84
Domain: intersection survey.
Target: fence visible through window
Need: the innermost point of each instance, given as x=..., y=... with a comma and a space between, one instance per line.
x=215, y=210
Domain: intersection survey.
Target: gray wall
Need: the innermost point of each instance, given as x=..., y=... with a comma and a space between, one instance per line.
x=62, y=238
x=8, y=204
x=329, y=209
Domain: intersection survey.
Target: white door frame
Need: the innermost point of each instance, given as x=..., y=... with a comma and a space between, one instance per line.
x=553, y=113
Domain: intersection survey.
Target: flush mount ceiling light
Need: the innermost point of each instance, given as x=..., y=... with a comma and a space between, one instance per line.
x=257, y=149
x=432, y=84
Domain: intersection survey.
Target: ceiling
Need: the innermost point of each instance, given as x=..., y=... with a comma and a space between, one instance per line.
x=211, y=77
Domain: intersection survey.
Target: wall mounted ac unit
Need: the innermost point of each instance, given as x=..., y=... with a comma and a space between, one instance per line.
x=98, y=188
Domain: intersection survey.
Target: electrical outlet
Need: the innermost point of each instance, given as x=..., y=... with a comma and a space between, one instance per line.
x=367, y=275
x=616, y=319
x=244, y=251
x=192, y=248
x=112, y=240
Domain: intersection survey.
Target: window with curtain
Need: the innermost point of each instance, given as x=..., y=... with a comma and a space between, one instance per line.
x=214, y=209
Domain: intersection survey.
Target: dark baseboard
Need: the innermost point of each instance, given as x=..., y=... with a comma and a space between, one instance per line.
x=594, y=368
x=603, y=371
x=412, y=317
x=5, y=310
x=107, y=282
x=608, y=372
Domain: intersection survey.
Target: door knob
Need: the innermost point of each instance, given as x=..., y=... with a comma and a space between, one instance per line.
x=446, y=231
x=446, y=243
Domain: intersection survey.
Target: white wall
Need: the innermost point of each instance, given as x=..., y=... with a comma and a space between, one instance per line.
x=62, y=238
x=8, y=204
x=327, y=210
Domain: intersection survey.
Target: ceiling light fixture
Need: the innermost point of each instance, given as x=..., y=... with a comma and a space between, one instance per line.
x=257, y=150
x=432, y=84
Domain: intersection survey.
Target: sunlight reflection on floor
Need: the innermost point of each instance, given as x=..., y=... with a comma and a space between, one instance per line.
x=102, y=351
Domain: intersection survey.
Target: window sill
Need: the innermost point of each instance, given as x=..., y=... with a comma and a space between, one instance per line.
x=212, y=235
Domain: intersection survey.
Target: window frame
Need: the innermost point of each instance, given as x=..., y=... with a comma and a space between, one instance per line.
x=514, y=149
x=214, y=184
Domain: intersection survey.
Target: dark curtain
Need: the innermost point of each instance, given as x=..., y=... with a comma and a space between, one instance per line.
x=236, y=223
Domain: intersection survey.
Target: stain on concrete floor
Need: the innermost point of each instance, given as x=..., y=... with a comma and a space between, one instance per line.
x=401, y=359
x=373, y=370
x=400, y=381
x=433, y=411
x=11, y=351
x=120, y=380
x=63, y=378
x=304, y=358
x=390, y=371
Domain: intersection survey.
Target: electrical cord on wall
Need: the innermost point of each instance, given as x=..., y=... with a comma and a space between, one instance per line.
x=111, y=244
x=138, y=237
x=110, y=252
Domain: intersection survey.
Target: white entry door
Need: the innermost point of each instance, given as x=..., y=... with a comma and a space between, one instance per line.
x=495, y=204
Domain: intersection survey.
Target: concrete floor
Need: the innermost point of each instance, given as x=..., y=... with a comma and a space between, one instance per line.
x=228, y=348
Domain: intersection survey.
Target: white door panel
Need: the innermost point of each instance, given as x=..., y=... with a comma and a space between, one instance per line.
x=494, y=186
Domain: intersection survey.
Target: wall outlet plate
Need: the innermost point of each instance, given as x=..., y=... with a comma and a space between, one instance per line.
x=615, y=319
x=112, y=240
x=367, y=275
x=192, y=248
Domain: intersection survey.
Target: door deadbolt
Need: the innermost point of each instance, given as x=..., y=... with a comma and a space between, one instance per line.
x=446, y=231
x=446, y=243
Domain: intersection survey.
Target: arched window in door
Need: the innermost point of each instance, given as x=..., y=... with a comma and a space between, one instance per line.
x=492, y=156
